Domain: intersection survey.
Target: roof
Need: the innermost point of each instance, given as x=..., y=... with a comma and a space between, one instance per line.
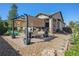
x=59, y=12
x=48, y=14
x=37, y=22
x=56, y=13
x=42, y=14
x=34, y=21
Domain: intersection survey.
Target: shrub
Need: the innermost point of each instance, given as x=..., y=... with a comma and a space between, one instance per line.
x=74, y=51
x=59, y=31
x=74, y=38
x=75, y=35
x=3, y=29
x=71, y=53
x=67, y=29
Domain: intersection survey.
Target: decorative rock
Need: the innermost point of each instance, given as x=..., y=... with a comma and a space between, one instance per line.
x=60, y=51
x=48, y=52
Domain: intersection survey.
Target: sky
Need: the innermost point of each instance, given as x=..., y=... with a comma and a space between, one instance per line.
x=70, y=11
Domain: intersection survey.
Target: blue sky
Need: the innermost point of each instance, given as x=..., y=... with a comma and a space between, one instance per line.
x=69, y=11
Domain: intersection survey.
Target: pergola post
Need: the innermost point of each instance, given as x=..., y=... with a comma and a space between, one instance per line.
x=26, y=39
x=13, y=34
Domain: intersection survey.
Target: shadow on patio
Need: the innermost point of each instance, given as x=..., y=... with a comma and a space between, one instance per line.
x=6, y=49
x=40, y=38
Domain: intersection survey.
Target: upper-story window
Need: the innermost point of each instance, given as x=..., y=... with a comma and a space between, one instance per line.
x=59, y=19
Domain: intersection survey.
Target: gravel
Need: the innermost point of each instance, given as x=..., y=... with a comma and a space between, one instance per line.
x=37, y=47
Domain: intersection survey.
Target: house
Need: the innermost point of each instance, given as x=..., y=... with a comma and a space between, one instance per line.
x=42, y=21
x=55, y=21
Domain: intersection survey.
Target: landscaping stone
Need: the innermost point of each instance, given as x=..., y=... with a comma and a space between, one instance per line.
x=48, y=52
x=38, y=46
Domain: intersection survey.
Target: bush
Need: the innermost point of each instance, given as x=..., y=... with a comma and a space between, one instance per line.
x=7, y=33
x=67, y=29
x=3, y=29
x=74, y=51
x=74, y=38
x=59, y=31
x=75, y=35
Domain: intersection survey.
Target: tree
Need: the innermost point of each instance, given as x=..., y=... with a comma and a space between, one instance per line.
x=0, y=18
x=1, y=22
x=6, y=24
x=71, y=24
x=12, y=14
